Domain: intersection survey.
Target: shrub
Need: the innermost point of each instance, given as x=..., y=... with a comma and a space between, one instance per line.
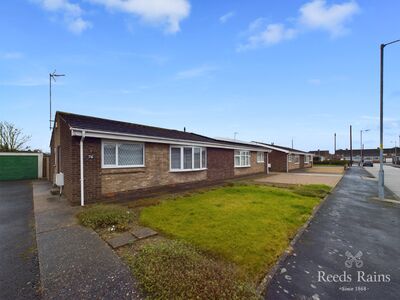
x=102, y=216
x=176, y=270
x=333, y=162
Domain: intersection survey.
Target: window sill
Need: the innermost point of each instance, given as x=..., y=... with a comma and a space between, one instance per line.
x=261, y=162
x=122, y=167
x=187, y=170
x=112, y=171
x=242, y=166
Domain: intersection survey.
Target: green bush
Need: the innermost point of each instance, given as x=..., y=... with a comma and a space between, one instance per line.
x=102, y=216
x=332, y=162
x=176, y=270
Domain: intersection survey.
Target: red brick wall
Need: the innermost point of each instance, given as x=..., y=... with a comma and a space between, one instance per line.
x=220, y=163
x=278, y=161
x=254, y=168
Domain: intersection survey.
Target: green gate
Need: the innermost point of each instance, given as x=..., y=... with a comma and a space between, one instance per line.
x=14, y=167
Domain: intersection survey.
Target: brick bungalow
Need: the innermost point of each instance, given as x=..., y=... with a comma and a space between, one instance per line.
x=104, y=159
x=285, y=159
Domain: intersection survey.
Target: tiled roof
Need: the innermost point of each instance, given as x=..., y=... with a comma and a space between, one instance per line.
x=111, y=126
x=286, y=149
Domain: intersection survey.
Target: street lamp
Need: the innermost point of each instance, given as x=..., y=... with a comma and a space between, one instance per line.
x=361, y=145
x=381, y=188
x=52, y=76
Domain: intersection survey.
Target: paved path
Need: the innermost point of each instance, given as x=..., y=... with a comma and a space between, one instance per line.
x=301, y=178
x=75, y=263
x=19, y=266
x=351, y=221
x=392, y=177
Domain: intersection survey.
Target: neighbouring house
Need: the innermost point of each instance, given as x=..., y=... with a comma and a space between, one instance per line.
x=320, y=155
x=368, y=154
x=285, y=159
x=103, y=159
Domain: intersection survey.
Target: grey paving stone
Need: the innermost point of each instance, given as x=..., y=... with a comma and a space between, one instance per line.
x=143, y=232
x=121, y=240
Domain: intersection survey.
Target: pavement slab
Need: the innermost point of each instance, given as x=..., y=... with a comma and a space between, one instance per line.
x=75, y=263
x=121, y=240
x=349, y=228
x=143, y=232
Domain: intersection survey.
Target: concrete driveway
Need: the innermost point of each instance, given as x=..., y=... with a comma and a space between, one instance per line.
x=19, y=266
x=392, y=177
x=316, y=175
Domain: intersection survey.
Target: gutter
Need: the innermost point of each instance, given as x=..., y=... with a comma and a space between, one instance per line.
x=143, y=138
x=81, y=169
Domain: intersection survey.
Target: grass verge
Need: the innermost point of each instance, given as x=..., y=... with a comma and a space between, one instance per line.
x=101, y=216
x=249, y=225
x=176, y=270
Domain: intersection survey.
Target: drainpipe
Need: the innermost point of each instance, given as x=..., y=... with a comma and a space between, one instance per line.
x=81, y=163
x=267, y=163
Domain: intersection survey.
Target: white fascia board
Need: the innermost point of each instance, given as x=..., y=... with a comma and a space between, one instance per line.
x=283, y=150
x=160, y=140
x=20, y=154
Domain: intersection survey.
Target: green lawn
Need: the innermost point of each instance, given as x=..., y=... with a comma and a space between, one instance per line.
x=250, y=225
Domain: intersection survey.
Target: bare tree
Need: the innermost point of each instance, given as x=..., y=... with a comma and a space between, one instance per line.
x=12, y=138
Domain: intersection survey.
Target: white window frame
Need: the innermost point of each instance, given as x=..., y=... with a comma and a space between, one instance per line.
x=260, y=157
x=242, y=154
x=290, y=158
x=306, y=159
x=296, y=159
x=181, y=169
x=116, y=166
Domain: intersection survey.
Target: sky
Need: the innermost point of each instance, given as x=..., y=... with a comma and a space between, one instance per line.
x=271, y=71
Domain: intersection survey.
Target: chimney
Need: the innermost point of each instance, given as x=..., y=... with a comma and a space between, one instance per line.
x=184, y=129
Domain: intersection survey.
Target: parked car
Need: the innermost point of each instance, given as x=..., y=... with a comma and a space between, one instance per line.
x=368, y=163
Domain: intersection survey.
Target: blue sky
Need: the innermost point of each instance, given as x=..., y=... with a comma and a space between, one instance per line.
x=269, y=70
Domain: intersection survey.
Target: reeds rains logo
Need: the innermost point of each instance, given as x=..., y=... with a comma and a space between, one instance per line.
x=353, y=262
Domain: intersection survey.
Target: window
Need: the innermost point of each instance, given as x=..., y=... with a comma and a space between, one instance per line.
x=260, y=157
x=187, y=158
x=242, y=158
x=306, y=159
x=290, y=158
x=122, y=155
x=297, y=159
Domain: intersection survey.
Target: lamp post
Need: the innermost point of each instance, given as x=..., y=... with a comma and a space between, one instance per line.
x=52, y=76
x=362, y=145
x=381, y=189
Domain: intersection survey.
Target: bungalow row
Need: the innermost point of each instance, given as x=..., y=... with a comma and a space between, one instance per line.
x=96, y=159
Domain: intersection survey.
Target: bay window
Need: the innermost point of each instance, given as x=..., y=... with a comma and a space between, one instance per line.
x=242, y=158
x=187, y=158
x=122, y=155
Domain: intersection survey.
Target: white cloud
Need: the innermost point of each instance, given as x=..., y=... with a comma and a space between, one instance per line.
x=11, y=55
x=195, y=72
x=225, y=18
x=314, y=15
x=318, y=15
x=271, y=35
x=159, y=12
x=71, y=12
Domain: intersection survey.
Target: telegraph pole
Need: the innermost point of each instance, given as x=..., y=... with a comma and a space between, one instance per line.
x=351, y=146
x=334, y=144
